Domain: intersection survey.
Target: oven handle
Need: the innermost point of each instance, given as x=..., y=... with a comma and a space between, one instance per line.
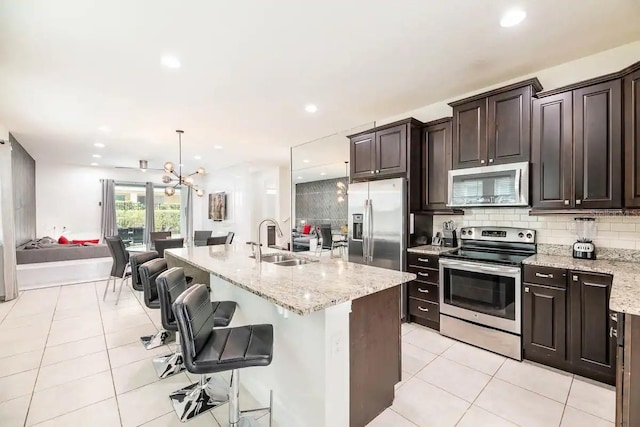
x=469, y=266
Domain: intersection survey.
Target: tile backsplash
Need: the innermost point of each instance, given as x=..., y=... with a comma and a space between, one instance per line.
x=613, y=231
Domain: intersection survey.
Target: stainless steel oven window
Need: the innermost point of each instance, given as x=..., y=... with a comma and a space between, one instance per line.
x=481, y=293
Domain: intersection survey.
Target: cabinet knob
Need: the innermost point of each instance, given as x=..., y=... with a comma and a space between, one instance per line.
x=490, y=160
x=372, y=172
x=526, y=289
x=566, y=203
x=482, y=161
x=378, y=171
x=614, y=316
x=422, y=308
x=575, y=278
x=613, y=332
x=578, y=202
x=424, y=291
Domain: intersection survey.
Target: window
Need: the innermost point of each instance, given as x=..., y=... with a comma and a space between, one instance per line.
x=130, y=213
x=166, y=210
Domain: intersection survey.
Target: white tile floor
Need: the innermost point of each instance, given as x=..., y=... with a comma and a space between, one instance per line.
x=449, y=383
x=68, y=359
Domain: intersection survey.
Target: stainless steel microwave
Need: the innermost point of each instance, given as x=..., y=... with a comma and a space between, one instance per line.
x=500, y=185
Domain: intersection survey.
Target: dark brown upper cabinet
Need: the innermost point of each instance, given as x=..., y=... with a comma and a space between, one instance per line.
x=436, y=163
x=391, y=150
x=577, y=148
x=597, y=125
x=593, y=348
x=363, y=155
x=631, y=84
x=383, y=152
x=552, y=153
x=494, y=127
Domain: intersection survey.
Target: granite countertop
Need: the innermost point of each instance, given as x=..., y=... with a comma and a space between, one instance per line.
x=625, y=290
x=300, y=289
x=430, y=250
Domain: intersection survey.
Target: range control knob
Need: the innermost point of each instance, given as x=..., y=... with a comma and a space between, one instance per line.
x=529, y=235
x=464, y=232
x=470, y=232
x=521, y=235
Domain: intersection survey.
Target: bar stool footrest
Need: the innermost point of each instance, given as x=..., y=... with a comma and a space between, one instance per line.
x=161, y=338
x=198, y=398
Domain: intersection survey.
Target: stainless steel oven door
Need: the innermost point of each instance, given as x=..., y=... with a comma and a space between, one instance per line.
x=487, y=294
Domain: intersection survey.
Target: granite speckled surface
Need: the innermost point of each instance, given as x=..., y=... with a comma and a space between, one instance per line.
x=300, y=289
x=430, y=250
x=625, y=290
x=611, y=254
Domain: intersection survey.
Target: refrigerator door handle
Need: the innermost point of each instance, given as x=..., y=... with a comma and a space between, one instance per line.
x=371, y=236
x=365, y=232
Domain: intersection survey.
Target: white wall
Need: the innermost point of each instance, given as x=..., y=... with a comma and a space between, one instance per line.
x=68, y=196
x=252, y=195
x=4, y=132
x=604, y=62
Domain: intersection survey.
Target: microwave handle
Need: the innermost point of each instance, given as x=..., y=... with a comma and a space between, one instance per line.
x=517, y=183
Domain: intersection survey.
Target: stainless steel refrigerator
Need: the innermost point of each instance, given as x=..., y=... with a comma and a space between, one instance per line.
x=377, y=229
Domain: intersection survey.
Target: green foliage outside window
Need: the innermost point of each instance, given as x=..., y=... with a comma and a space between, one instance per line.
x=131, y=214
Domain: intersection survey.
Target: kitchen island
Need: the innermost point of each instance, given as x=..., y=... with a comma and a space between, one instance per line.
x=336, y=354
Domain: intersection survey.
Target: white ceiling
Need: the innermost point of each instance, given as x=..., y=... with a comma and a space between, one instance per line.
x=250, y=66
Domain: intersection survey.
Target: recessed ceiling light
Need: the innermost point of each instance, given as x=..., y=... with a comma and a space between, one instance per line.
x=218, y=147
x=310, y=108
x=197, y=157
x=96, y=156
x=306, y=161
x=104, y=129
x=512, y=18
x=94, y=164
x=99, y=145
x=299, y=177
x=322, y=173
x=170, y=61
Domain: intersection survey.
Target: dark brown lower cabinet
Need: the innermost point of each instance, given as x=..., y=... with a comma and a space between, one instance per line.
x=593, y=350
x=423, y=299
x=567, y=323
x=544, y=316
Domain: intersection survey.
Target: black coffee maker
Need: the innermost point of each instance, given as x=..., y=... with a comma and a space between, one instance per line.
x=450, y=236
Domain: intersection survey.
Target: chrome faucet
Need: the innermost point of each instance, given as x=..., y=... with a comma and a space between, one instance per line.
x=257, y=247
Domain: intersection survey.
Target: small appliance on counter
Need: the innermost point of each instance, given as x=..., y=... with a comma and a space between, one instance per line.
x=450, y=239
x=585, y=229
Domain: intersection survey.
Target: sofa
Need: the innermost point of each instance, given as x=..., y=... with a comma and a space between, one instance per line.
x=302, y=240
x=48, y=250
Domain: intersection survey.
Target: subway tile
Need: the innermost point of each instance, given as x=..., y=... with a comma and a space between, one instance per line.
x=625, y=235
x=496, y=217
x=631, y=219
x=607, y=235
x=621, y=227
x=520, y=224
x=526, y=217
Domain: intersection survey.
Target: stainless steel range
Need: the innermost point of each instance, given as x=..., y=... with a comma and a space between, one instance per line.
x=480, y=288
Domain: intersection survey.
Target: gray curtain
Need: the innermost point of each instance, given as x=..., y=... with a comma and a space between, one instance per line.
x=108, y=225
x=149, y=220
x=8, y=278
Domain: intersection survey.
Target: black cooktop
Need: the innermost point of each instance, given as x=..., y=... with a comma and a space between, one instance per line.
x=493, y=257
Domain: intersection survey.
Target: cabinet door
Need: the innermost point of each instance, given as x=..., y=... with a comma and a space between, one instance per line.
x=592, y=350
x=632, y=139
x=544, y=324
x=363, y=156
x=391, y=151
x=470, y=134
x=597, y=121
x=552, y=152
x=436, y=163
x=509, y=121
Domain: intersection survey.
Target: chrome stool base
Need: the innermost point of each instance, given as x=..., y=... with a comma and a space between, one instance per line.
x=168, y=365
x=161, y=338
x=238, y=418
x=199, y=398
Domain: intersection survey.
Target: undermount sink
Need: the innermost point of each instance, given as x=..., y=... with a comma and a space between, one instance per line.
x=278, y=258
x=284, y=260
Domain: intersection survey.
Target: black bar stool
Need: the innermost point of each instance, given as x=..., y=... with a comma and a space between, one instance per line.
x=208, y=351
x=170, y=284
x=136, y=259
x=149, y=271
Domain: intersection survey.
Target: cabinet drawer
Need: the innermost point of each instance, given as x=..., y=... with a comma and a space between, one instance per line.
x=420, y=260
x=426, y=274
x=423, y=291
x=426, y=310
x=545, y=276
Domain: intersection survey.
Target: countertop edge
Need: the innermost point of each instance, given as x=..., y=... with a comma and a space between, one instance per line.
x=286, y=306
